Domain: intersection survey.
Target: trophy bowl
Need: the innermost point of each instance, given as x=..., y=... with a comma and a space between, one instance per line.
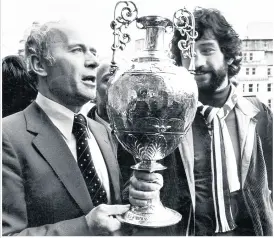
x=151, y=106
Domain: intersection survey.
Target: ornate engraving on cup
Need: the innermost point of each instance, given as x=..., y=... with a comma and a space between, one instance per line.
x=151, y=107
x=151, y=111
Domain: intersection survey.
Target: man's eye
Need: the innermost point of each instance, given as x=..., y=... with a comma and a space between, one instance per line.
x=94, y=53
x=208, y=51
x=77, y=50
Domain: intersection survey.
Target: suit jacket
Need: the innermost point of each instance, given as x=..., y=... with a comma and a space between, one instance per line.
x=44, y=192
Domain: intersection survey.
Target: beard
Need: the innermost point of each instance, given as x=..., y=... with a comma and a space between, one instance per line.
x=217, y=77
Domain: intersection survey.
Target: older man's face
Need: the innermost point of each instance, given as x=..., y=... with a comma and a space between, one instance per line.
x=71, y=78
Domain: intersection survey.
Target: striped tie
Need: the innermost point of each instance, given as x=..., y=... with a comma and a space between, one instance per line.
x=85, y=163
x=223, y=161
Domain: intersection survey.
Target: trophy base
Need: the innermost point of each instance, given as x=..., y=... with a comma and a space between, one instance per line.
x=149, y=166
x=160, y=218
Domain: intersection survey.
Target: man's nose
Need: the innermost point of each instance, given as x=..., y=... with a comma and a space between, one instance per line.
x=199, y=60
x=91, y=61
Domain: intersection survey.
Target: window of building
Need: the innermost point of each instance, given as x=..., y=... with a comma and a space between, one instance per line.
x=247, y=71
x=243, y=87
x=269, y=71
x=269, y=87
x=244, y=56
x=251, y=56
x=253, y=71
x=269, y=103
x=258, y=87
x=250, y=87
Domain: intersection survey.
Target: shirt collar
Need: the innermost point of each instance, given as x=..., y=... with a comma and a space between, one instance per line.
x=60, y=116
x=86, y=108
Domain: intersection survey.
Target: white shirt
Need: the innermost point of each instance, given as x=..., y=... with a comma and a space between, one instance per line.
x=87, y=107
x=63, y=119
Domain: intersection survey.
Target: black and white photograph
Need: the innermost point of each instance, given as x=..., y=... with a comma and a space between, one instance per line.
x=137, y=118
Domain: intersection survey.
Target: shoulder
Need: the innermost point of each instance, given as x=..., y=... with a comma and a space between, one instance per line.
x=16, y=125
x=13, y=136
x=255, y=101
x=13, y=122
x=253, y=107
x=265, y=114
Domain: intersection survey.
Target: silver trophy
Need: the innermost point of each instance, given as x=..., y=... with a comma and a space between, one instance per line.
x=152, y=104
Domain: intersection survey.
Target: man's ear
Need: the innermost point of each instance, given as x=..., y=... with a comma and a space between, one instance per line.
x=37, y=66
x=230, y=61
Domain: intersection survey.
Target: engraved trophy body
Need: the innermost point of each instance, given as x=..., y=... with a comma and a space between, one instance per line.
x=151, y=106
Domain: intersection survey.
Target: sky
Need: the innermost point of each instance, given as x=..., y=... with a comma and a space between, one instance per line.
x=95, y=16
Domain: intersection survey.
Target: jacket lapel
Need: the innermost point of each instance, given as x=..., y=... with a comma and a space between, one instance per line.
x=186, y=149
x=245, y=114
x=54, y=149
x=101, y=137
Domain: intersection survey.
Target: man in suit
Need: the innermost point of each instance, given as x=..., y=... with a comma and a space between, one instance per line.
x=50, y=184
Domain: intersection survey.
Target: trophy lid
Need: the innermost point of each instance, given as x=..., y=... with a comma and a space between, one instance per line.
x=153, y=21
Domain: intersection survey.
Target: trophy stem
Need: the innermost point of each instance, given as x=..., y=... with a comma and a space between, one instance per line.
x=154, y=214
x=149, y=166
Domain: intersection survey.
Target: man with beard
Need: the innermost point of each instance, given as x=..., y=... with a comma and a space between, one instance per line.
x=228, y=151
x=231, y=180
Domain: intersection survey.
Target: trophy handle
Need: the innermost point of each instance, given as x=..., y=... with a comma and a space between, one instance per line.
x=125, y=13
x=184, y=22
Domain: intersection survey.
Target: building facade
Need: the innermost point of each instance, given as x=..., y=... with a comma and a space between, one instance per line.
x=256, y=75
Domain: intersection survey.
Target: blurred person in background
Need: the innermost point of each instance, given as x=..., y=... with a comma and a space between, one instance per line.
x=17, y=89
x=99, y=113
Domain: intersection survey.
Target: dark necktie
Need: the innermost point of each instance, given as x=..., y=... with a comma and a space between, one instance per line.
x=85, y=163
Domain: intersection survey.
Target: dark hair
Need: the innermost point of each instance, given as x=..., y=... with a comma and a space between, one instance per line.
x=228, y=39
x=17, y=92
